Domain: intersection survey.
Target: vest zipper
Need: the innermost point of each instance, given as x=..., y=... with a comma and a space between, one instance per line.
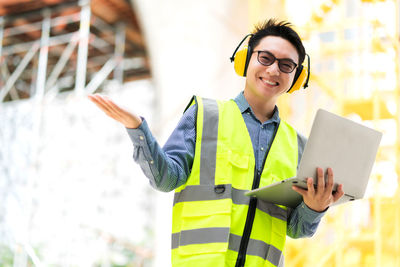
x=249, y=223
x=241, y=259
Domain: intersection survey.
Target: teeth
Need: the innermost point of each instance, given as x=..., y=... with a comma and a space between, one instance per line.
x=270, y=83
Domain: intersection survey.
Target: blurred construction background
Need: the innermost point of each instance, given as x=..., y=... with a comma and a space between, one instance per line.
x=70, y=194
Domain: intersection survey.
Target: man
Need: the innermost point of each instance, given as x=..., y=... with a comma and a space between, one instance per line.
x=219, y=150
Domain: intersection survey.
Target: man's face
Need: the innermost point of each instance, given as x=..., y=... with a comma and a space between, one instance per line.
x=269, y=82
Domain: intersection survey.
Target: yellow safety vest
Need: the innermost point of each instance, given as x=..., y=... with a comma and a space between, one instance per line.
x=213, y=221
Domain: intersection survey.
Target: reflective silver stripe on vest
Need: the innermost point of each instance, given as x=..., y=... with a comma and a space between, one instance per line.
x=219, y=234
x=175, y=240
x=239, y=198
x=199, y=193
x=257, y=248
x=200, y=236
x=209, y=142
x=273, y=210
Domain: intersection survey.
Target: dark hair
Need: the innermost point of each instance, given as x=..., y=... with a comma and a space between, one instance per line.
x=281, y=29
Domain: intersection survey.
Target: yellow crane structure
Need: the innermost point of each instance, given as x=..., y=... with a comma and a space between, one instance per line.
x=354, y=50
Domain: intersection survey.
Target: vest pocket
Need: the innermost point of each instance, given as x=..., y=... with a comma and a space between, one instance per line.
x=231, y=166
x=239, y=161
x=205, y=224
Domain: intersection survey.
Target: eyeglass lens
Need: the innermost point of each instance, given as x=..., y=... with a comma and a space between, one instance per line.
x=267, y=59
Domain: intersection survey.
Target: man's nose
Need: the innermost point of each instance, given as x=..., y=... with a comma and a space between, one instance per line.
x=273, y=69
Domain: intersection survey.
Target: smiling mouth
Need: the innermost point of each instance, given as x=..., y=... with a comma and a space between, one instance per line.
x=269, y=82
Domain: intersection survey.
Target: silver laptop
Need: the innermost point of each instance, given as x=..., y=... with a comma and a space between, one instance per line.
x=349, y=148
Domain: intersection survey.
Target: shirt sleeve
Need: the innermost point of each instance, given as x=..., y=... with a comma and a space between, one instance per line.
x=169, y=167
x=303, y=221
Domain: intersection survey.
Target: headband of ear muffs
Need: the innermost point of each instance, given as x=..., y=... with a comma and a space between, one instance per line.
x=241, y=61
x=241, y=58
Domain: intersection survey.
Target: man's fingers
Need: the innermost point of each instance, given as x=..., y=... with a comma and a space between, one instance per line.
x=304, y=192
x=329, y=185
x=320, y=180
x=320, y=198
x=339, y=193
x=109, y=102
x=118, y=110
x=113, y=107
x=103, y=105
x=299, y=190
x=97, y=99
x=99, y=102
x=310, y=185
x=112, y=110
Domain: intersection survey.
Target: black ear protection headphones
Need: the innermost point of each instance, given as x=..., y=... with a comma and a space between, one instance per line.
x=241, y=61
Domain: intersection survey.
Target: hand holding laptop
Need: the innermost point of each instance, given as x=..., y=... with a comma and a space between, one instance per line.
x=321, y=197
x=352, y=150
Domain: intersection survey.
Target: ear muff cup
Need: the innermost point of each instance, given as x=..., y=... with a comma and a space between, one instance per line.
x=301, y=77
x=241, y=61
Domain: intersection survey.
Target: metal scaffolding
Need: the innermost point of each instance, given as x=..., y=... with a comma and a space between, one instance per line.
x=66, y=47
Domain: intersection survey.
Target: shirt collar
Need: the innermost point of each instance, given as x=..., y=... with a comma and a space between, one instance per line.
x=244, y=106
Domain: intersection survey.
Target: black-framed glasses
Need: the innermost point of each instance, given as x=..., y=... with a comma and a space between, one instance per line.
x=267, y=59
